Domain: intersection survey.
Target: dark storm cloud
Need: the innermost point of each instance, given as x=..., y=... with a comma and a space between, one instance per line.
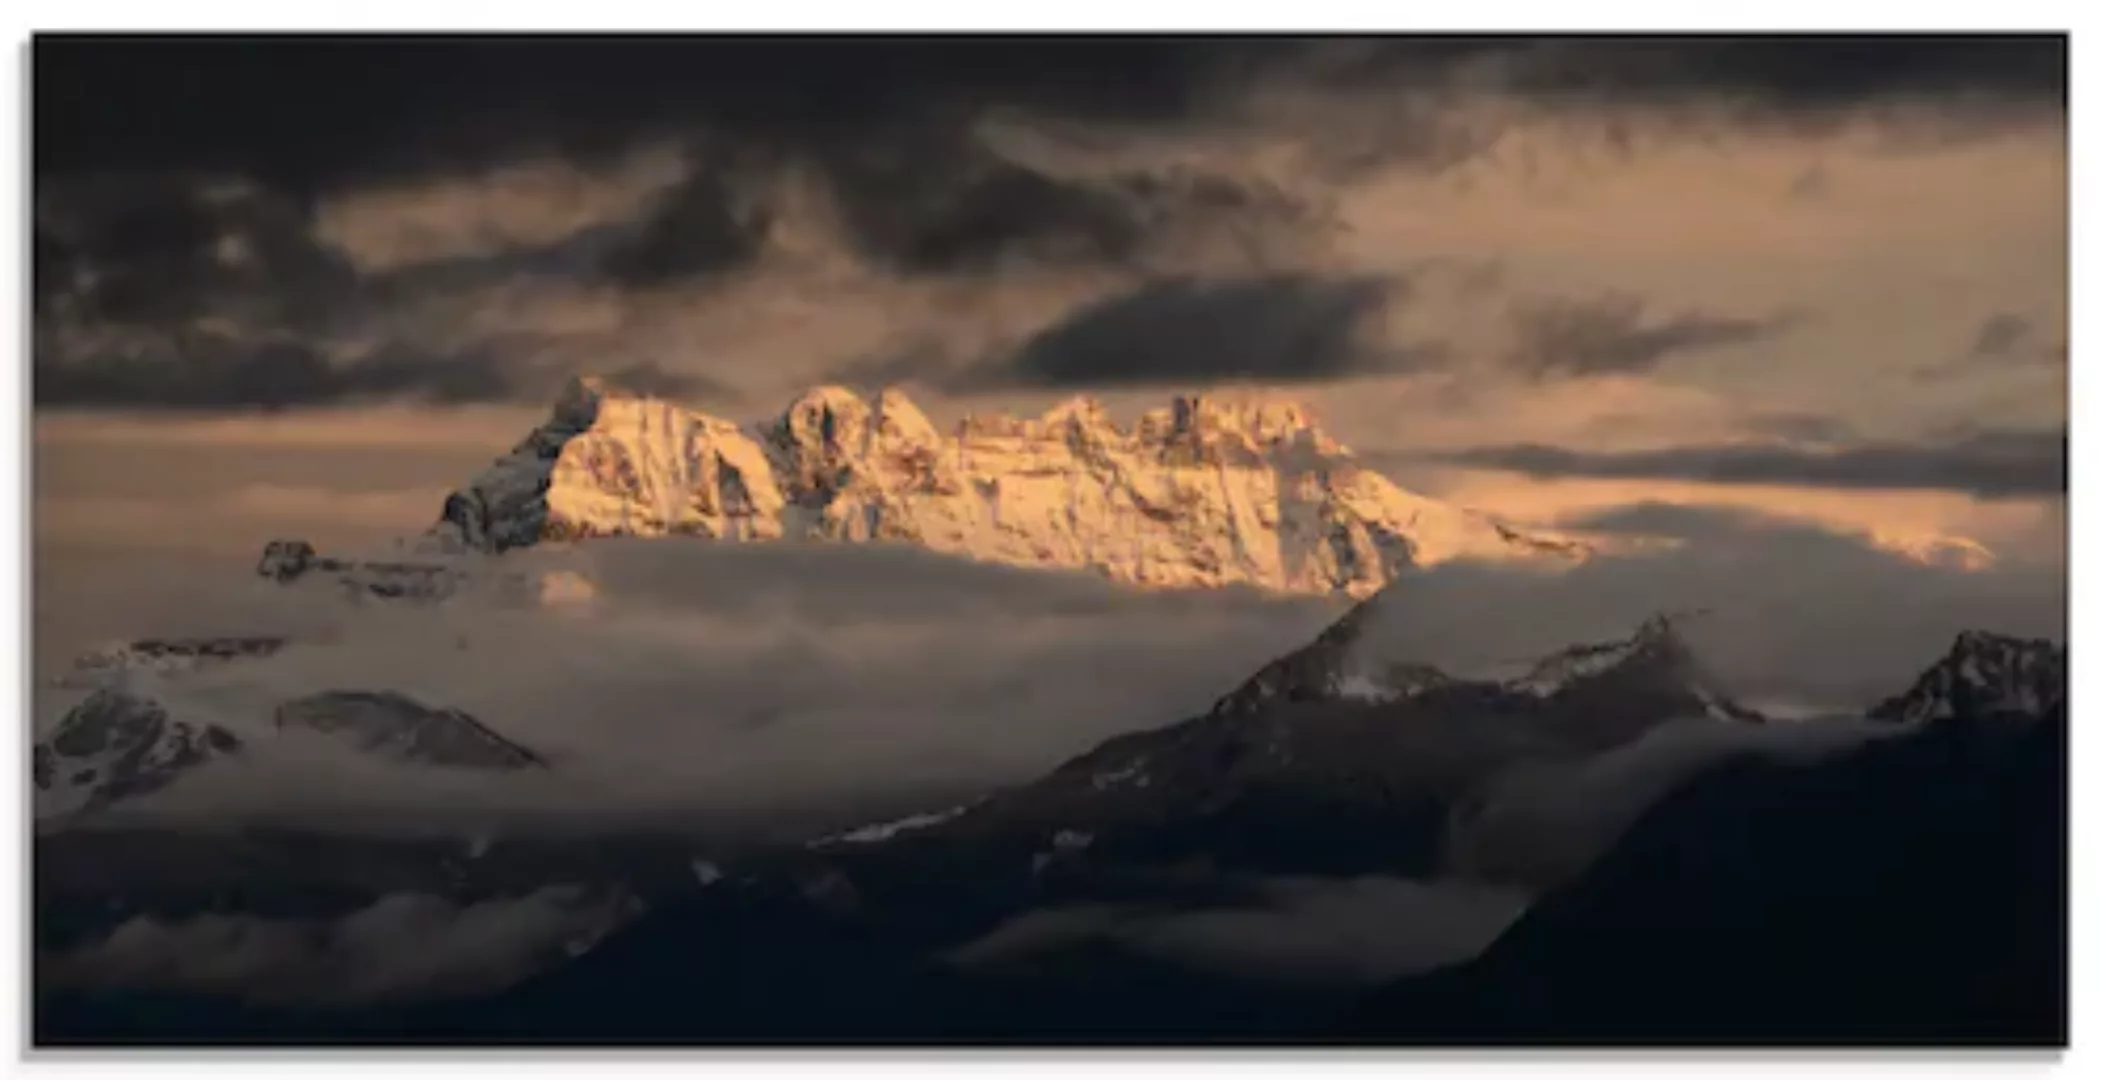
x=189, y=294
x=1988, y=465
x=313, y=112
x=886, y=126
x=942, y=202
x=317, y=113
x=888, y=131
x=1799, y=74
x=116, y=249
x=193, y=294
x=1614, y=335
x=701, y=228
x=207, y=371
x=1280, y=328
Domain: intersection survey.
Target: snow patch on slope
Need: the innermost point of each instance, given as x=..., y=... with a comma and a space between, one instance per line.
x=886, y=830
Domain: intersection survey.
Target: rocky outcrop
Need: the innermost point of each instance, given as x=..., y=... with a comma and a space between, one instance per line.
x=1983, y=673
x=295, y=561
x=168, y=656
x=123, y=743
x=431, y=580
x=118, y=745
x=400, y=728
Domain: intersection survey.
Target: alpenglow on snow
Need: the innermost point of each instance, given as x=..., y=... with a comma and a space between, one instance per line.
x=1208, y=491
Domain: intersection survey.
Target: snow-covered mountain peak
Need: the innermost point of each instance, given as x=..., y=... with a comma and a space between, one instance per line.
x=1210, y=490
x=1984, y=672
x=1346, y=663
x=1655, y=643
x=1655, y=662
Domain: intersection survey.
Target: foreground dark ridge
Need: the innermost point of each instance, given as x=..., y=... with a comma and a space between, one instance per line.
x=1909, y=892
x=1914, y=892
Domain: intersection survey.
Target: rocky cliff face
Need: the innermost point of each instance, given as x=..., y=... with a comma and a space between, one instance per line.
x=1205, y=492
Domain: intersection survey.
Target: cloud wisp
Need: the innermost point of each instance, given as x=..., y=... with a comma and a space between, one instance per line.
x=2005, y=341
x=725, y=680
x=1612, y=335
x=1987, y=465
x=745, y=679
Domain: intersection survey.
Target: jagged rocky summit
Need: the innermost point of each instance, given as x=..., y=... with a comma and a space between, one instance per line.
x=432, y=579
x=1983, y=673
x=1654, y=662
x=117, y=745
x=1209, y=491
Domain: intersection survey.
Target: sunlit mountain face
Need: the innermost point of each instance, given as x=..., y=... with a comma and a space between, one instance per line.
x=1406, y=540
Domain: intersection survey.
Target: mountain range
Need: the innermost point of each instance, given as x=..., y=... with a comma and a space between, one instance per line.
x=1903, y=889
x=1205, y=492
x=1238, y=488
x=1338, y=763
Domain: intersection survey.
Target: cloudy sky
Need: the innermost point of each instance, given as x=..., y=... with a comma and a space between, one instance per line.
x=304, y=288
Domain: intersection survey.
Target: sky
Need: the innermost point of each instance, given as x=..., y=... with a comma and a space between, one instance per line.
x=1798, y=306
x=1820, y=277
x=1741, y=287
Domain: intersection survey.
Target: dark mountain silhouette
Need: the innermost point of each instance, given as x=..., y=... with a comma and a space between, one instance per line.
x=1912, y=891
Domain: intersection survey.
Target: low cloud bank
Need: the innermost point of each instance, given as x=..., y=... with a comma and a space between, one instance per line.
x=402, y=946
x=1350, y=930
x=705, y=679
x=1791, y=611
x=753, y=679
x=1539, y=824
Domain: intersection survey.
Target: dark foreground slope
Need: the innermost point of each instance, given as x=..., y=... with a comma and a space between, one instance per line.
x=1912, y=892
